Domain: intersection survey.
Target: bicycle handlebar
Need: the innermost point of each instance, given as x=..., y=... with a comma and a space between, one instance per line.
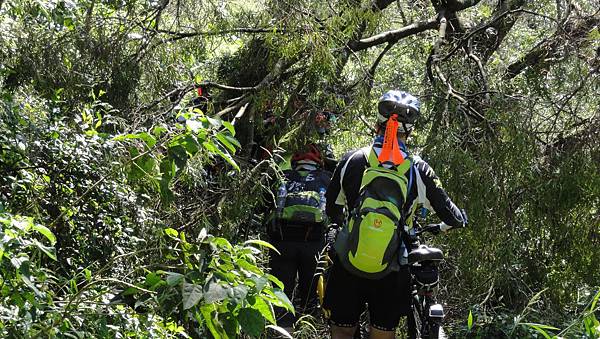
x=431, y=228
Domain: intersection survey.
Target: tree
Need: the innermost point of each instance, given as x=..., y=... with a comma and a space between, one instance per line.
x=91, y=147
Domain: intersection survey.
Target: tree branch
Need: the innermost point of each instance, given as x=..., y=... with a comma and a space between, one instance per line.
x=552, y=47
x=249, y=30
x=371, y=71
x=501, y=26
x=393, y=36
x=225, y=87
x=278, y=70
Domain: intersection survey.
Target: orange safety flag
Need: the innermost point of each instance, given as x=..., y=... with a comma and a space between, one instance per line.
x=391, y=149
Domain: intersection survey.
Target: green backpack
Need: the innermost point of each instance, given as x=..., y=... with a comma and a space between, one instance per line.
x=368, y=243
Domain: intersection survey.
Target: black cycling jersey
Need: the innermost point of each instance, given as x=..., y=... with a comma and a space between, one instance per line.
x=388, y=298
x=426, y=189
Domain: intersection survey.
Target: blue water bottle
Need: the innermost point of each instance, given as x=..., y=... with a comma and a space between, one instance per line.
x=322, y=199
x=281, y=194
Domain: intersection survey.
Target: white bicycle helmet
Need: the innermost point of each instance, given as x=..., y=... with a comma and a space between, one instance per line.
x=405, y=105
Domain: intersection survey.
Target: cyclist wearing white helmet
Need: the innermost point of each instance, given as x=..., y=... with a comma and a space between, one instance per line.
x=354, y=195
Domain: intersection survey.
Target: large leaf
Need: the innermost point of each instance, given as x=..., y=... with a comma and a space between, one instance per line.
x=145, y=136
x=238, y=293
x=280, y=330
x=223, y=139
x=207, y=313
x=46, y=232
x=261, y=243
x=211, y=147
x=274, y=280
x=191, y=294
x=230, y=324
x=283, y=301
x=265, y=309
x=229, y=127
x=252, y=321
x=49, y=251
x=174, y=278
x=470, y=321
x=216, y=292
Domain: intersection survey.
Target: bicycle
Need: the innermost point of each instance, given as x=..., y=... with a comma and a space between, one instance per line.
x=425, y=320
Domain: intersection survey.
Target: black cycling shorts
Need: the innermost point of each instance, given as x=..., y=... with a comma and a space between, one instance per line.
x=346, y=294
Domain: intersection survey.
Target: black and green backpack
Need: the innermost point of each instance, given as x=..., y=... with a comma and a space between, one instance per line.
x=369, y=242
x=300, y=211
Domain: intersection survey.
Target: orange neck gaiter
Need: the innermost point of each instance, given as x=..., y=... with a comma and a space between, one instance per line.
x=391, y=150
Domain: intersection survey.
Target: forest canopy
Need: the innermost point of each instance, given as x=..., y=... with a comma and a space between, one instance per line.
x=139, y=140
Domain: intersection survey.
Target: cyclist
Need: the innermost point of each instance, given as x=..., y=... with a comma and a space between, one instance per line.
x=388, y=297
x=296, y=228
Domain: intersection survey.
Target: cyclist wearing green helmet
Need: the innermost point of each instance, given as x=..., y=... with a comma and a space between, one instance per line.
x=374, y=192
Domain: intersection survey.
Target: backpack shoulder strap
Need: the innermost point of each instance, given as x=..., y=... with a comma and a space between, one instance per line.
x=371, y=157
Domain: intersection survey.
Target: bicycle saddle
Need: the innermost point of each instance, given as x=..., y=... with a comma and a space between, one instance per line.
x=423, y=253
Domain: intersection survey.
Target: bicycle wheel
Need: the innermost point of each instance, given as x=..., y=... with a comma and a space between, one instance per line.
x=436, y=332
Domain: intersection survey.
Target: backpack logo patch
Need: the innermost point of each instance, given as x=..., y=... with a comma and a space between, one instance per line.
x=377, y=223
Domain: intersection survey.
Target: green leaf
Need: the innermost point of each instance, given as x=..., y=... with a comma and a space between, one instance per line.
x=276, y=281
x=130, y=291
x=19, y=260
x=265, y=309
x=212, y=148
x=145, y=136
x=280, y=330
x=282, y=300
x=470, y=320
x=260, y=282
x=171, y=232
x=167, y=169
x=207, y=311
x=157, y=131
x=221, y=243
x=25, y=279
x=179, y=155
x=594, y=34
x=215, y=292
x=174, y=278
x=46, y=232
x=540, y=328
x=252, y=321
x=190, y=143
x=248, y=266
x=238, y=293
x=88, y=274
x=233, y=140
x=229, y=127
x=223, y=140
x=261, y=243
x=152, y=279
x=230, y=324
x=49, y=251
x=215, y=122
x=191, y=294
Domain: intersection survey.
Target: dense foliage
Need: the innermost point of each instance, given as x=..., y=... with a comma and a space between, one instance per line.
x=127, y=200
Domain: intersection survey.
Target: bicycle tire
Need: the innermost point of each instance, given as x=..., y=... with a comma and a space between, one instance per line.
x=436, y=331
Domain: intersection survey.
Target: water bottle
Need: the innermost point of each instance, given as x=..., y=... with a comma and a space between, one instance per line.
x=281, y=198
x=322, y=200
